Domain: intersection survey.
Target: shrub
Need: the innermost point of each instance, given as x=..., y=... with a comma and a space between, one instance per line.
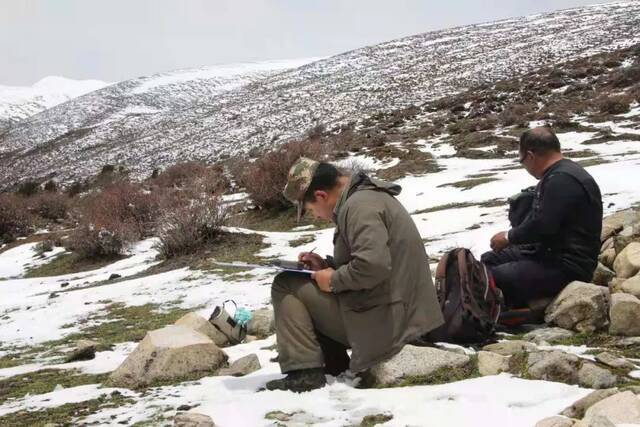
x=194, y=177
x=614, y=104
x=265, y=178
x=28, y=188
x=50, y=206
x=15, y=218
x=516, y=114
x=105, y=241
x=44, y=246
x=185, y=229
x=626, y=76
x=75, y=188
x=51, y=186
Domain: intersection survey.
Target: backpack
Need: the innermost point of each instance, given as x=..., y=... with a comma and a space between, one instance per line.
x=468, y=297
x=521, y=206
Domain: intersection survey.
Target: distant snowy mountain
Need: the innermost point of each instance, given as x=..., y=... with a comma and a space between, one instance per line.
x=19, y=102
x=156, y=121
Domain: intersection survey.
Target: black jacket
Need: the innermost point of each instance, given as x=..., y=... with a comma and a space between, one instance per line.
x=566, y=220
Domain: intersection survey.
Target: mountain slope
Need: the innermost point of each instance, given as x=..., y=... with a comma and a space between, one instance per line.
x=77, y=138
x=18, y=102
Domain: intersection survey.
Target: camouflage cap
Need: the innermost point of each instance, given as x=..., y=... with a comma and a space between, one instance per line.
x=298, y=181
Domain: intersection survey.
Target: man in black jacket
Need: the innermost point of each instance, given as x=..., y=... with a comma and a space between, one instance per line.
x=564, y=226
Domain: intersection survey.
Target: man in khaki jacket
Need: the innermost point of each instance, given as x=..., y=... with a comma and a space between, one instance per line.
x=374, y=295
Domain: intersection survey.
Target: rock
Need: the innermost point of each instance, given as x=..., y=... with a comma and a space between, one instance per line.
x=579, y=407
x=631, y=286
x=615, y=361
x=192, y=419
x=84, y=350
x=555, y=421
x=200, y=324
x=580, y=306
x=493, y=363
x=625, y=315
x=603, y=275
x=627, y=263
x=608, y=257
x=606, y=245
x=554, y=366
x=548, y=335
x=241, y=367
x=596, y=421
x=621, y=408
x=508, y=348
x=184, y=407
x=173, y=353
x=262, y=323
x=114, y=276
x=412, y=361
x=617, y=221
x=592, y=376
x=615, y=285
x=621, y=242
x=64, y=284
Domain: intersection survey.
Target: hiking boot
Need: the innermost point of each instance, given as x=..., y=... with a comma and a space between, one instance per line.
x=336, y=359
x=300, y=381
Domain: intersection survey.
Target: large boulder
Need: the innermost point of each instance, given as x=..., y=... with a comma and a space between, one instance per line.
x=418, y=363
x=625, y=315
x=631, y=286
x=607, y=257
x=548, y=335
x=621, y=408
x=627, y=263
x=580, y=306
x=200, y=324
x=262, y=323
x=173, y=353
x=555, y=421
x=592, y=376
x=616, y=222
x=192, y=419
x=554, y=366
x=511, y=347
x=603, y=275
x=579, y=407
x=83, y=350
x=493, y=363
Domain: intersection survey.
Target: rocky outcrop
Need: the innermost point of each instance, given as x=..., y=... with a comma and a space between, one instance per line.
x=423, y=363
x=192, y=419
x=581, y=307
x=262, y=323
x=200, y=324
x=625, y=315
x=627, y=263
x=173, y=353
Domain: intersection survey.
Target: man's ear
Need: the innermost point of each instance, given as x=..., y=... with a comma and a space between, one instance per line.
x=321, y=194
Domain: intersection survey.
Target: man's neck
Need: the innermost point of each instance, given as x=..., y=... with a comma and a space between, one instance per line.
x=550, y=161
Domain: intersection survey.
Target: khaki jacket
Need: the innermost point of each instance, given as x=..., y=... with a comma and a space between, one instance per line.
x=382, y=279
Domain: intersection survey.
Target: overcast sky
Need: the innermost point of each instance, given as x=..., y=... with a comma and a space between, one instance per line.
x=115, y=40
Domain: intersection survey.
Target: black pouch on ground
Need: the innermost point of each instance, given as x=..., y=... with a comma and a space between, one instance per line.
x=468, y=297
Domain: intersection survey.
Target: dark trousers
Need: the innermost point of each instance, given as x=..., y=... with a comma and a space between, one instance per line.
x=524, y=276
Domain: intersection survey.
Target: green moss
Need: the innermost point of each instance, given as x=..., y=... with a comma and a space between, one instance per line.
x=272, y=220
x=487, y=204
x=9, y=361
x=592, y=162
x=468, y=184
x=66, y=414
x=67, y=264
x=303, y=240
x=372, y=420
x=44, y=381
x=443, y=375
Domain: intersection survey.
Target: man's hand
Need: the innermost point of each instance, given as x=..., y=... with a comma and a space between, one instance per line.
x=323, y=279
x=312, y=261
x=499, y=241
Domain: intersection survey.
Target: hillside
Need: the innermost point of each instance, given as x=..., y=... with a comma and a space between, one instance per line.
x=194, y=120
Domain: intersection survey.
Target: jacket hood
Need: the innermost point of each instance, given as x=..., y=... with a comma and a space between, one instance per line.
x=360, y=181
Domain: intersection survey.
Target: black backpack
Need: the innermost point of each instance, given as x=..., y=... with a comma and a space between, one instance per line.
x=468, y=297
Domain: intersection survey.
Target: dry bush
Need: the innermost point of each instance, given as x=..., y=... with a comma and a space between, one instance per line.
x=516, y=114
x=15, y=218
x=265, y=178
x=185, y=229
x=472, y=125
x=51, y=206
x=614, y=104
x=112, y=218
x=626, y=76
x=196, y=177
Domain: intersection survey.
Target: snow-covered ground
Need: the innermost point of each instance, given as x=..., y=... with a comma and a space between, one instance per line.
x=489, y=401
